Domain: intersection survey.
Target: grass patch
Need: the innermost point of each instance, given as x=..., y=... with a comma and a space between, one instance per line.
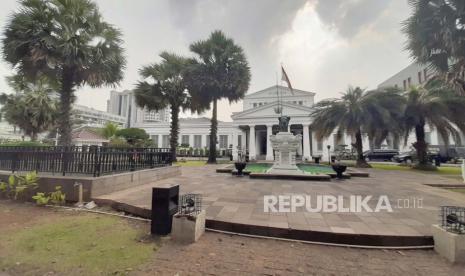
x=85, y=244
x=450, y=171
x=316, y=169
x=257, y=167
x=191, y=163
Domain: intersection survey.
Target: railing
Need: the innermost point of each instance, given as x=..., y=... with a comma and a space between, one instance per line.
x=89, y=160
x=193, y=152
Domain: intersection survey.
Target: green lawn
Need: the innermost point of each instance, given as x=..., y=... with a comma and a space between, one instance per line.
x=86, y=244
x=257, y=167
x=313, y=169
x=441, y=170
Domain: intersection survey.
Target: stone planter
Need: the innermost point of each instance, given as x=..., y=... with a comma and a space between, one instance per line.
x=240, y=166
x=449, y=245
x=339, y=169
x=188, y=228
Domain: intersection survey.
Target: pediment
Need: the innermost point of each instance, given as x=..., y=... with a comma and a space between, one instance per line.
x=268, y=110
x=283, y=90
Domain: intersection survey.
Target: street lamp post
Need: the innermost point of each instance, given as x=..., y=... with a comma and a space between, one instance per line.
x=329, y=154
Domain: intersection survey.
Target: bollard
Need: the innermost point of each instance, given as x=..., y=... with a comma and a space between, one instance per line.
x=164, y=205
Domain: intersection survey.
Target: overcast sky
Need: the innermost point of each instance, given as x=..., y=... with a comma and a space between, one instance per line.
x=324, y=45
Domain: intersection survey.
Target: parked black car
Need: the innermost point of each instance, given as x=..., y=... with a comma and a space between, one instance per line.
x=410, y=156
x=380, y=154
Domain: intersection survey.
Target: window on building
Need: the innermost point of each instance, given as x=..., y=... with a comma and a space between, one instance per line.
x=425, y=74
x=301, y=103
x=428, y=137
x=223, y=141
x=396, y=86
x=165, y=143
x=319, y=145
x=207, y=143
x=409, y=82
x=239, y=141
x=197, y=141
x=254, y=104
x=405, y=85
x=338, y=139
x=155, y=140
x=419, y=77
x=185, y=140
x=260, y=104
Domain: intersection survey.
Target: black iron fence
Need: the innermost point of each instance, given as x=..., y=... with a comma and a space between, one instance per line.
x=202, y=152
x=89, y=160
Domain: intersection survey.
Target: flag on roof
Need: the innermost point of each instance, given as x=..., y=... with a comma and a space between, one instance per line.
x=285, y=78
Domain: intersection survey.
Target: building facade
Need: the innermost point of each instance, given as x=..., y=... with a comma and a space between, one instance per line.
x=87, y=116
x=124, y=104
x=415, y=75
x=250, y=129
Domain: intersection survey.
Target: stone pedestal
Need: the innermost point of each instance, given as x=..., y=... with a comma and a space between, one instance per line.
x=285, y=145
x=449, y=245
x=188, y=229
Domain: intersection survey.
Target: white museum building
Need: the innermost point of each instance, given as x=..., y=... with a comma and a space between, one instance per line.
x=251, y=128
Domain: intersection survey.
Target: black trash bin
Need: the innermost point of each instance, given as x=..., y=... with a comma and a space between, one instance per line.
x=165, y=203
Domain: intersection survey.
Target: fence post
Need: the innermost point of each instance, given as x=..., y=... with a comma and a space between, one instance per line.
x=64, y=157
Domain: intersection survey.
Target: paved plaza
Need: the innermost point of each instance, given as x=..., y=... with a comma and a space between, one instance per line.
x=240, y=200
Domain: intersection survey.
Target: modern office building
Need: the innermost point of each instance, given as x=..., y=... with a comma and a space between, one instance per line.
x=124, y=104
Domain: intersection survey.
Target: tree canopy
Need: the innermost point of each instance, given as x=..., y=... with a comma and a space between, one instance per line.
x=68, y=42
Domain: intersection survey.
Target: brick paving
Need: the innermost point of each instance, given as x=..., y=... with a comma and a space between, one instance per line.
x=240, y=200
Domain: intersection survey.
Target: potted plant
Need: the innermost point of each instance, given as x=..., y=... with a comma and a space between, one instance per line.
x=339, y=168
x=240, y=164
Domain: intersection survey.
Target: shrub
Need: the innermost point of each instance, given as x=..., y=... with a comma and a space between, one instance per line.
x=58, y=197
x=41, y=199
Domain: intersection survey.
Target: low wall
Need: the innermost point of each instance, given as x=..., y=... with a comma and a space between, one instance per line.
x=95, y=186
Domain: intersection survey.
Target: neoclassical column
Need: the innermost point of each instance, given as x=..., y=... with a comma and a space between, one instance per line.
x=269, y=149
x=234, y=143
x=306, y=154
x=252, y=150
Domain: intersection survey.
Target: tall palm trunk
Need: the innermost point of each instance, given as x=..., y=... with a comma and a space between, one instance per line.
x=174, y=131
x=213, y=132
x=420, y=145
x=66, y=99
x=361, y=163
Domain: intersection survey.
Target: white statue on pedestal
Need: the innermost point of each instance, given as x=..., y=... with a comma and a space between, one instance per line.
x=285, y=145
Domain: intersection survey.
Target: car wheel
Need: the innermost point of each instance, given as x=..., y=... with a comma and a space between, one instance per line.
x=393, y=159
x=367, y=159
x=408, y=161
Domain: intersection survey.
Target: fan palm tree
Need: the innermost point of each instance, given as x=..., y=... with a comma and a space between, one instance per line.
x=355, y=113
x=67, y=41
x=436, y=36
x=437, y=105
x=110, y=130
x=220, y=71
x=166, y=88
x=33, y=111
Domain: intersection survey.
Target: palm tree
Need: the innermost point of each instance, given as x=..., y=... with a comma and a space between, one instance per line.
x=67, y=41
x=166, y=89
x=356, y=112
x=110, y=130
x=436, y=36
x=220, y=71
x=437, y=105
x=33, y=111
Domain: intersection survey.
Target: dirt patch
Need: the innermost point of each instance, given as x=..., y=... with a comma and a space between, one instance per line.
x=220, y=254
